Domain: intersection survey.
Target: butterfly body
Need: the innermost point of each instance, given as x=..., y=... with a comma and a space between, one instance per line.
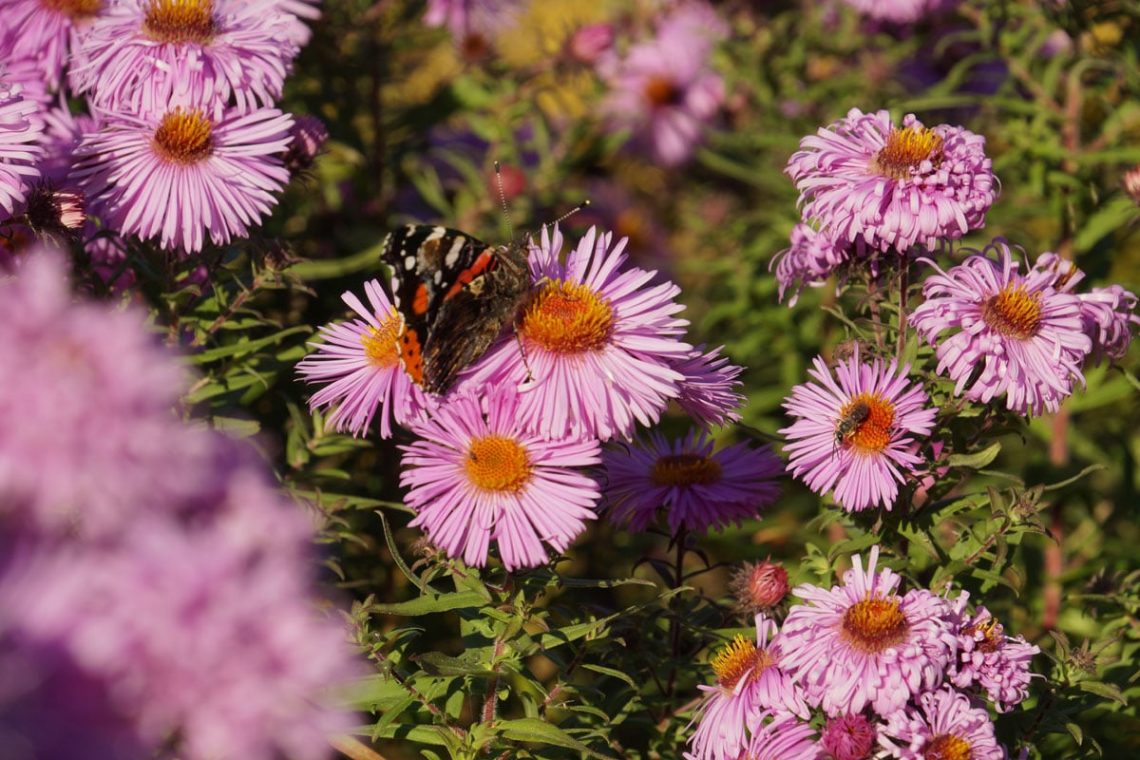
x=455, y=294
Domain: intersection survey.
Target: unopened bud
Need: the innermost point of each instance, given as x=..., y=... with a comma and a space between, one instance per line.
x=761, y=586
x=1131, y=184
x=848, y=737
x=590, y=43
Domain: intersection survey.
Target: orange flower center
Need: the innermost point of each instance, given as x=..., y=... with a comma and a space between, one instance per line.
x=1013, y=312
x=875, y=624
x=685, y=470
x=906, y=150
x=184, y=136
x=947, y=747
x=567, y=317
x=179, y=21
x=662, y=91
x=380, y=342
x=865, y=423
x=76, y=9
x=495, y=463
x=738, y=659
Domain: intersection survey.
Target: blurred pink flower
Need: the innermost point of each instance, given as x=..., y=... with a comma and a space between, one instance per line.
x=473, y=23
x=309, y=135
x=901, y=11
x=589, y=43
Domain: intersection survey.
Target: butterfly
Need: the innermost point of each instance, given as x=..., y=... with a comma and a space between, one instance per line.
x=455, y=294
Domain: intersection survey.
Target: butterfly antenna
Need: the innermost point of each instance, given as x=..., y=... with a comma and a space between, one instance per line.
x=584, y=204
x=503, y=199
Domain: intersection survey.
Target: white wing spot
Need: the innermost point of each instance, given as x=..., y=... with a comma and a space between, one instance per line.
x=437, y=278
x=453, y=255
x=409, y=262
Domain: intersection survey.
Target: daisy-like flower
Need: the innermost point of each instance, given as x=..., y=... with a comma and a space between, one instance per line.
x=696, y=488
x=709, y=390
x=46, y=32
x=864, y=178
x=360, y=361
x=863, y=644
x=1011, y=334
x=812, y=257
x=140, y=53
x=600, y=343
x=945, y=725
x=20, y=128
x=782, y=737
x=901, y=11
x=477, y=476
x=185, y=172
x=663, y=90
x=857, y=435
x=988, y=658
x=848, y=737
x=749, y=682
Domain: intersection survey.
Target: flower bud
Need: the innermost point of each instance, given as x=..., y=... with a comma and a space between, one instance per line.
x=590, y=43
x=848, y=737
x=761, y=586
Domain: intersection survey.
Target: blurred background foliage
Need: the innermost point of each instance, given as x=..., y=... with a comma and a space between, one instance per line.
x=416, y=123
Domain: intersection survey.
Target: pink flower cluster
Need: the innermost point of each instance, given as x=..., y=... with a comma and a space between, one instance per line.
x=892, y=674
x=177, y=141
x=595, y=350
x=156, y=591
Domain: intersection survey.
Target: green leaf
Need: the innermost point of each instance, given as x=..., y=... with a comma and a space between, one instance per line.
x=1114, y=214
x=236, y=427
x=1069, y=481
x=243, y=347
x=541, y=732
x=612, y=673
x=432, y=603
x=1076, y=732
x=440, y=664
x=978, y=459
x=1106, y=690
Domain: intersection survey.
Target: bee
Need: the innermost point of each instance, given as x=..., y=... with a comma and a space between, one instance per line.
x=850, y=422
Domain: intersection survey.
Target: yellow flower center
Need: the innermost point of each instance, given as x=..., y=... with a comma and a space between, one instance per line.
x=1013, y=312
x=906, y=150
x=380, y=342
x=495, y=463
x=947, y=747
x=76, y=9
x=179, y=21
x=875, y=624
x=737, y=659
x=991, y=632
x=685, y=470
x=865, y=423
x=567, y=317
x=184, y=136
x=662, y=91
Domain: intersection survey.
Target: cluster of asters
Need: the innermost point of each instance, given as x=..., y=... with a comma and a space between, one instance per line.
x=874, y=193
x=861, y=671
x=513, y=452
x=177, y=140
x=157, y=594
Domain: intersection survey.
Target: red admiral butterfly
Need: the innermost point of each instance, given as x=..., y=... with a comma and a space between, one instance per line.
x=456, y=294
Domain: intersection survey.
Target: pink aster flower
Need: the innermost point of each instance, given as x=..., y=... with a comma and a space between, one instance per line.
x=299, y=12
x=849, y=737
x=997, y=663
x=309, y=135
x=863, y=644
x=185, y=172
x=47, y=32
x=1010, y=334
x=863, y=178
x=696, y=488
x=749, y=683
x=599, y=343
x=944, y=724
x=709, y=390
x=812, y=257
x=477, y=476
x=857, y=435
x=782, y=737
x=360, y=362
x=901, y=11
x=663, y=90
x=141, y=54
x=472, y=23
x=20, y=128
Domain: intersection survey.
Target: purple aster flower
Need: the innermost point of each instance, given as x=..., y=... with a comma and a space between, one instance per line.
x=1011, y=334
x=300, y=12
x=857, y=436
x=944, y=725
x=20, y=128
x=178, y=175
x=663, y=90
x=309, y=135
x=863, y=178
x=599, y=343
x=63, y=132
x=988, y=658
x=360, y=361
x=812, y=257
x=901, y=11
x=473, y=23
x=848, y=737
x=477, y=476
x=141, y=54
x=749, y=681
x=863, y=645
x=782, y=737
x=709, y=390
x=696, y=488
x=46, y=32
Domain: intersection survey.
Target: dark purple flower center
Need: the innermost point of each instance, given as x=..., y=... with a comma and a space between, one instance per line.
x=947, y=747
x=663, y=91
x=685, y=470
x=185, y=137
x=76, y=9
x=875, y=624
x=906, y=150
x=180, y=21
x=1014, y=312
